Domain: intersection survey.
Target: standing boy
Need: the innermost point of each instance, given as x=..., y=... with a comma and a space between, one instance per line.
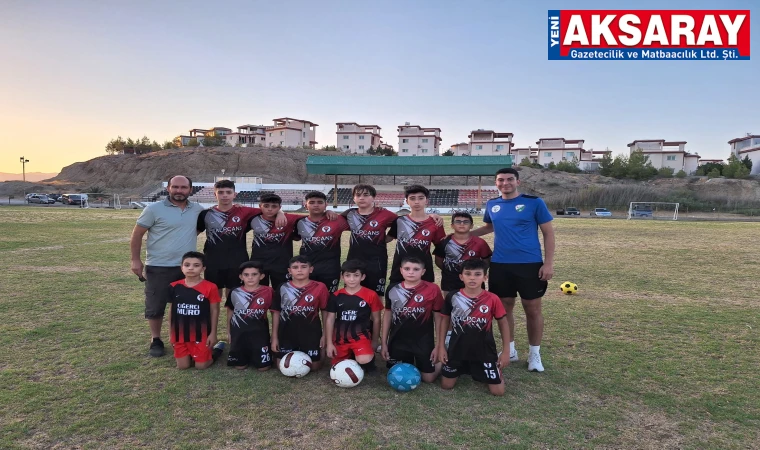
x=295, y=313
x=194, y=315
x=273, y=243
x=320, y=240
x=409, y=323
x=247, y=308
x=457, y=248
x=352, y=327
x=471, y=311
x=415, y=233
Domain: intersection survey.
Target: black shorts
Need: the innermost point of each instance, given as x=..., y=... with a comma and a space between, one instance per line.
x=508, y=280
x=375, y=277
x=274, y=279
x=487, y=372
x=223, y=278
x=250, y=349
x=419, y=359
x=312, y=350
x=157, y=281
x=329, y=279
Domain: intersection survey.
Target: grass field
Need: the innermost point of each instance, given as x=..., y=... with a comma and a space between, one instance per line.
x=659, y=350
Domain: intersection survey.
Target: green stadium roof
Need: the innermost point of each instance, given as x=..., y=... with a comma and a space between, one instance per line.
x=407, y=165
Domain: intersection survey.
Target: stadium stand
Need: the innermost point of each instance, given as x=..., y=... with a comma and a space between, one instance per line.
x=444, y=197
x=251, y=196
x=165, y=193
x=344, y=196
x=469, y=197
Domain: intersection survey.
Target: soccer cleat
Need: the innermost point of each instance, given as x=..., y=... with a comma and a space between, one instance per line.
x=218, y=349
x=513, y=356
x=156, y=348
x=534, y=363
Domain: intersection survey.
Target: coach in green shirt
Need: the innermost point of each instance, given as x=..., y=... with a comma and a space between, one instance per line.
x=171, y=228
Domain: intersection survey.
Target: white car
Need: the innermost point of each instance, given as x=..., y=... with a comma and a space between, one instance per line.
x=601, y=212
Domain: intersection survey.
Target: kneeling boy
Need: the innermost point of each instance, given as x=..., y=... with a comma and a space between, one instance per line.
x=353, y=319
x=472, y=348
x=194, y=315
x=296, y=307
x=247, y=308
x=411, y=310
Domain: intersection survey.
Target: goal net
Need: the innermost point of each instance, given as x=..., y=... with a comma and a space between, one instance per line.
x=653, y=210
x=98, y=200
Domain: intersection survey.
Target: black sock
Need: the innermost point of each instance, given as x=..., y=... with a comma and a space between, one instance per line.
x=158, y=339
x=369, y=367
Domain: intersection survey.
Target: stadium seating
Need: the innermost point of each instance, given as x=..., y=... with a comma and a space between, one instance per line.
x=469, y=197
x=392, y=199
x=344, y=196
x=165, y=193
x=250, y=196
x=444, y=197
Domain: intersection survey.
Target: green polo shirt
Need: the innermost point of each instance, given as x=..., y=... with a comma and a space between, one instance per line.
x=171, y=232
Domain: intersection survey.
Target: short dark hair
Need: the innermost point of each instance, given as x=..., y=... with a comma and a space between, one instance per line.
x=354, y=265
x=196, y=255
x=316, y=194
x=169, y=182
x=224, y=184
x=368, y=188
x=474, y=264
x=270, y=198
x=413, y=260
x=299, y=259
x=509, y=170
x=461, y=214
x=416, y=189
x=251, y=265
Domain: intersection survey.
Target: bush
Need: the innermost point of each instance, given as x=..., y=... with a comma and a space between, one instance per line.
x=714, y=173
x=552, y=166
x=681, y=174
x=568, y=166
x=665, y=172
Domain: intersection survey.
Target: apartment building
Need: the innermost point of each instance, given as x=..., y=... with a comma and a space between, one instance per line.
x=664, y=153
x=355, y=138
x=490, y=143
x=289, y=132
x=556, y=150
x=414, y=140
x=199, y=134
x=461, y=149
x=247, y=135
x=749, y=145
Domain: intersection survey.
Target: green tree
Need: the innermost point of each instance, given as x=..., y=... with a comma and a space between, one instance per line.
x=714, y=173
x=681, y=174
x=605, y=165
x=447, y=153
x=666, y=172
x=214, y=139
x=746, y=162
x=115, y=146
x=568, y=166
x=552, y=166
x=707, y=168
x=639, y=166
x=193, y=142
x=526, y=162
x=168, y=145
x=735, y=168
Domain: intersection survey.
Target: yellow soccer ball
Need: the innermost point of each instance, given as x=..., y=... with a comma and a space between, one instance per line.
x=568, y=288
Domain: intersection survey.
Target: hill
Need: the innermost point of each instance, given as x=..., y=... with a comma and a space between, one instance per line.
x=30, y=176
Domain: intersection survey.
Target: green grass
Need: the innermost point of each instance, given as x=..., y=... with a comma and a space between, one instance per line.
x=659, y=350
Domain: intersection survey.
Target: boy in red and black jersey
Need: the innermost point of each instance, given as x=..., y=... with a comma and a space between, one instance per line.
x=368, y=225
x=415, y=234
x=352, y=326
x=247, y=308
x=457, y=248
x=409, y=322
x=226, y=225
x=320, y=240
x=470, y=312
x=194, y=315
x=296, y=309
x=272, y=242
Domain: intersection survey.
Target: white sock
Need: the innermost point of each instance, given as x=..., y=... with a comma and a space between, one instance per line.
x=512, y=347
x=534, y=349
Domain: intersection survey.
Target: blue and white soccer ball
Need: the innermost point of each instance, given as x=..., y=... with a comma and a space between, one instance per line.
x=404, y=377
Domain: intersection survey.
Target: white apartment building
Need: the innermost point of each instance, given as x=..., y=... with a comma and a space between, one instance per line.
x=557, y=150
x=413, y=140
x=664, y=153
x=247, y=135
x=518, y=154
x=461, y=149
x=748, y=145
x=199, y=134
x=289, y=132
x=355, y=138
x=490, y=143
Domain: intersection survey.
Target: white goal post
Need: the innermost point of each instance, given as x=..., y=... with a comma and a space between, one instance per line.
x=653, y=210
x=101, y=200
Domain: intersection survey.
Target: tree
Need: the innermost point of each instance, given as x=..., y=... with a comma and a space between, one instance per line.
x=329, y=148
x=639, y=166
x=735, y=168
x=214, y=139
x=714, y=173
x=551, y=166
x=115, y=146
x=568, y=166
x=605, y=165
x=447, y=153
x=681, y=174
x=526, y=162
x=707, y=168
x=666, y=172
x=193, y=142
x=168, y=145
x=746, y=162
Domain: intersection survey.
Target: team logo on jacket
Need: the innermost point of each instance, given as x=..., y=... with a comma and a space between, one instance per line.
x=326, y=229
x=471, y=253
x=259, y=301
x=373, y=223
x=200, y=297
x=419, y=298
x=483, y=309
x=519, y=208
x=236, y=219
x=426, y=232
x=495, y=208
x=362, y=304
x=309, y=298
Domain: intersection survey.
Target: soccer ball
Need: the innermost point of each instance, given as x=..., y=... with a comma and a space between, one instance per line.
x=347, y=373
x=295, y=364
x=568, y=288
x=404, y=377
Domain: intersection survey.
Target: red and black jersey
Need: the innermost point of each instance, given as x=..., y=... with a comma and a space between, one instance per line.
x=320, y=242
x=368, y=234
x=250, y=309
x=299, y=309
x=225, y=246
x=454, y=254
x=353, y=314
x=414, y=239
x=191, y=310
x=412, y=315
x=472, y=319
x=273, y=246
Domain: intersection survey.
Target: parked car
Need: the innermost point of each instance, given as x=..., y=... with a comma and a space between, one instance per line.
x=601, y=212
x=41, y=199
x=73, y=199
x=570, y=211
x=642, y=211
x=55, y=197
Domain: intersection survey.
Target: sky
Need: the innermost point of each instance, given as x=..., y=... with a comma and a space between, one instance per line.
x=76, y=74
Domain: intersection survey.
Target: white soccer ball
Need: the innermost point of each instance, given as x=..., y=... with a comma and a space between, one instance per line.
x=347, y=373
x=295, y=364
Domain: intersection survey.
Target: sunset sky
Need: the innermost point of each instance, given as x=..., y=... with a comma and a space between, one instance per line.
x=78, y=73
